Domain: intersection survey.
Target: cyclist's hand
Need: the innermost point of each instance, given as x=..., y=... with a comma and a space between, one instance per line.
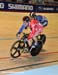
x=18, y=36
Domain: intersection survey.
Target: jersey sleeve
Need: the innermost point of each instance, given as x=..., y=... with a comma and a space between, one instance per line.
x=39, y=18
x=22, y=28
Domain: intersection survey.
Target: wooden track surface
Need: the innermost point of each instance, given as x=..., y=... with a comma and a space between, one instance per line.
x=10, y=22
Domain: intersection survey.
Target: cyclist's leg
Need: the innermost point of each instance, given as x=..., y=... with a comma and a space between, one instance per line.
x=30, y=38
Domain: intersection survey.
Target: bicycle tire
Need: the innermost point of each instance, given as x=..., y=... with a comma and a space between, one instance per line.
x=35, y=51
x=16, y=49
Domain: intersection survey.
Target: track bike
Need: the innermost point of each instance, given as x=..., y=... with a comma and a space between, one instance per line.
x=21, y=46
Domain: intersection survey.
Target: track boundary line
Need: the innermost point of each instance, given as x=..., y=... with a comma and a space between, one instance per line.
x=28, y=65
x=16, y=38
x=30, y=55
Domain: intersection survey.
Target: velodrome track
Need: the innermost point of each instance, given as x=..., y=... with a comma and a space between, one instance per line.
x=10, y=22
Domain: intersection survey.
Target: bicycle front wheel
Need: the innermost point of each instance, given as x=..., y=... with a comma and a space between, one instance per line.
x=16, y=49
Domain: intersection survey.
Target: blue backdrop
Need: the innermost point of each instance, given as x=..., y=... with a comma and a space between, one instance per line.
x=7, y=6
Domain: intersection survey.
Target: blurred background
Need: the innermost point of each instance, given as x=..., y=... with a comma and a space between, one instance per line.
x=37, y=2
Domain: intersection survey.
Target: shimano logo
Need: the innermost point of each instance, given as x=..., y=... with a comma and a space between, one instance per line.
x=20, y=7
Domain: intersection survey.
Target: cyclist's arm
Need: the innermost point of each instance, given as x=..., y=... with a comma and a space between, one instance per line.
x=22, y=28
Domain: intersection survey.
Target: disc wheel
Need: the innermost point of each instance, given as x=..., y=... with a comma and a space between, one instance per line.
x=43, y=38
x=17, y=49
x=35, y=51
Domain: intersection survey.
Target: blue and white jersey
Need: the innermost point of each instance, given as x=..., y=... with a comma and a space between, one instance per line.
x=42, y=19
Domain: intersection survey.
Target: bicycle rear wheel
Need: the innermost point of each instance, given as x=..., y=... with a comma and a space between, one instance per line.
x=35, y=51
x=43, y=38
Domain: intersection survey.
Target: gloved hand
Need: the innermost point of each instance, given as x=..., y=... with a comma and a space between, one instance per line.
x=18, y=35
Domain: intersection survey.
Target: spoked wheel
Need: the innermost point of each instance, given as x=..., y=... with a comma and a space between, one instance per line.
x=35, y=51
x=16, y=49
